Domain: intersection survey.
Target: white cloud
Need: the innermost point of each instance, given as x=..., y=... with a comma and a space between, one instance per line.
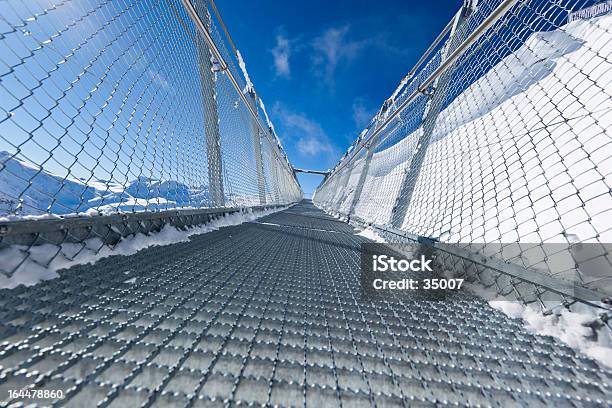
x=281, y=53
x=333, y=47
x=313, y=146
x=158, y=78
x=311, y=139
x=361, y=113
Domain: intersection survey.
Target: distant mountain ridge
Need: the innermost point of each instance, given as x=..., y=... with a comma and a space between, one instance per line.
x=28, y=190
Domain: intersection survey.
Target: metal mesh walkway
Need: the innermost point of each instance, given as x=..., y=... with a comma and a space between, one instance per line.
x=268, y=312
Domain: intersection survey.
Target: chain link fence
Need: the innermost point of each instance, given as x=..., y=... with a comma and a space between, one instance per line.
x=127, y=115
x=497, y=146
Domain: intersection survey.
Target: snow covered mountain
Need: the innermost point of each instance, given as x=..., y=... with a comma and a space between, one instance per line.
x=28, y=190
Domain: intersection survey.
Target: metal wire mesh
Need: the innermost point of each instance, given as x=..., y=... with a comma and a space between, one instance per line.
x=114, y=106
x=269, y=314
x=119, y=107
x=508, y=142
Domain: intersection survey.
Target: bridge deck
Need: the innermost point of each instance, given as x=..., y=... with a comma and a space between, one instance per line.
x=268, y=312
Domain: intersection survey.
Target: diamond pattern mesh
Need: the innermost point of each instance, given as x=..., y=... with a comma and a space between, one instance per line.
x=268, y=312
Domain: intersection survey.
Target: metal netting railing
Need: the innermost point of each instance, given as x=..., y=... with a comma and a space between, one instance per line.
x=498, y=144
x=121, y=106
x=115, y=108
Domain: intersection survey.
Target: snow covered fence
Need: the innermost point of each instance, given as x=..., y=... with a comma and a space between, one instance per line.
x=590, y=12
x=505, y=142
x=32, y=249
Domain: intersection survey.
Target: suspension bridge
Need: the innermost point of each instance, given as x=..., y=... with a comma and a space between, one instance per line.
x=156, y=249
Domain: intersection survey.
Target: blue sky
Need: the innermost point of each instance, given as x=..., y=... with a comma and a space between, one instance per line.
x=324, y=67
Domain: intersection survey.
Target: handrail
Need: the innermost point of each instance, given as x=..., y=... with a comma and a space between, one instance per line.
x=224, y=66
x=429, y=50
x=585, y=295
x=223, y=26
x=499, y=12
x=63, y=223
x=307, y=171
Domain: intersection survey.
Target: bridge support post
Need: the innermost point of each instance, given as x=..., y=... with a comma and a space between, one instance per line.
x=211, y=121
x=261, y=180
x=362, y=176
x=277, y=181
x=343, y=192
x=438, y=97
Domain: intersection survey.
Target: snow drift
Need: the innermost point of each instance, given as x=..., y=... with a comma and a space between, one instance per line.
x=522, y=154
x=41, y=262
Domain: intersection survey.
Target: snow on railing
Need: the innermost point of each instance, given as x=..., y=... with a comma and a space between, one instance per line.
x=509, y=145
x=249, y=85
x=590, y=12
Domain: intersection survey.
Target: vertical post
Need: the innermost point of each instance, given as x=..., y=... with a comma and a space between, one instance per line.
x=370, y=146
x=343, y=193
x=339, y=184
x=362, y=177
x=211, y=118
x=277, y=181
x=261, y=181
x=440, y=87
